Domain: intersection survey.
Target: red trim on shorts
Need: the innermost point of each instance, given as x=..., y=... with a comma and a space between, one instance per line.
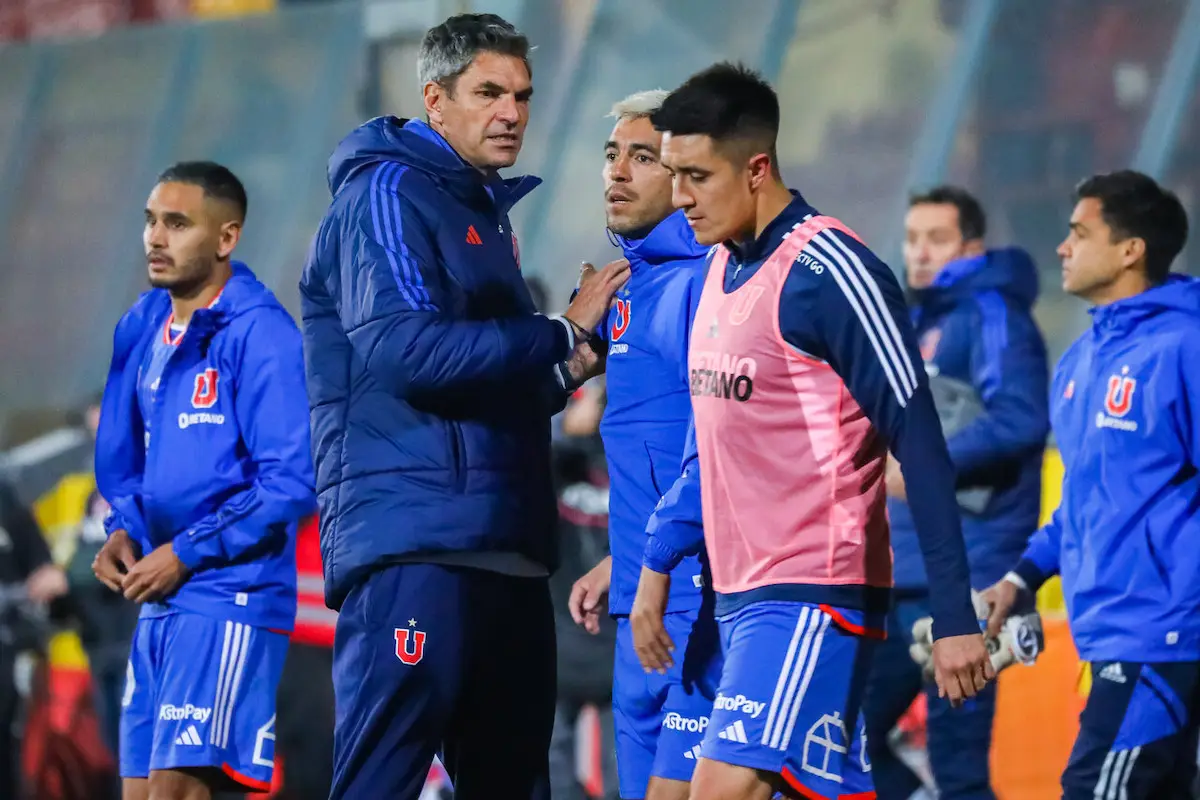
x=245, y=780
x=281, y=632
x=795, y=783
x=858, y=796
x=857, y=630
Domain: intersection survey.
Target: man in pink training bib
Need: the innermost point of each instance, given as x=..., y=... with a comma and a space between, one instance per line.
x=804, y=372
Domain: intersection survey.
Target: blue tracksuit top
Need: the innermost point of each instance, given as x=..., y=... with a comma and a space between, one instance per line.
x=431, y=378
x=646, y=419
x=220, y=465
x=1125, y=406
x=975, y=324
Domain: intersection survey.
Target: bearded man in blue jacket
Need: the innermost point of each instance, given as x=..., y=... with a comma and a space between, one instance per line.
x=659, y=718
x=432, y=381
x=971, y=308
x=1125, y=407
x=203, y=455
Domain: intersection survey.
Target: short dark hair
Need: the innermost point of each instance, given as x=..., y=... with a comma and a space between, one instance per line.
x=1135, y=206
x=972, y=222
x=727, y=102
x=447, y=50
x=217, y=182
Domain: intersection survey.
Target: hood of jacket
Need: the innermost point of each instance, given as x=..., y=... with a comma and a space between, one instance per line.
x=670, y=240
x=1009, y=271
x=1179, y=294
x=416, y=145
x=243, y=292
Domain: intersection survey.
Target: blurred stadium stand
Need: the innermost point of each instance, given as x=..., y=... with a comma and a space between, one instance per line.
x=1017, y=99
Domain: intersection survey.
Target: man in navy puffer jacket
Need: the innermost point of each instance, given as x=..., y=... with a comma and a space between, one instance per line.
x=432, y=381
x=971, y=309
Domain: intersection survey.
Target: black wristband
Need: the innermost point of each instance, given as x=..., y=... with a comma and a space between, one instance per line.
x=581, y=335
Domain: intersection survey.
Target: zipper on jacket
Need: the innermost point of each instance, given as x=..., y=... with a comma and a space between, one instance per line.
x=156, y=422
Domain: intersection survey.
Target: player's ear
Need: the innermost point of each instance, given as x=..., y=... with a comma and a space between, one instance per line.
x=974, y=247
x=435, y=96
x=1133, y=250
x=231, y=233
x=760, y=170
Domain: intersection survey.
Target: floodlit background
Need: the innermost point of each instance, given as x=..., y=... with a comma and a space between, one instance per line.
x=1015, y=99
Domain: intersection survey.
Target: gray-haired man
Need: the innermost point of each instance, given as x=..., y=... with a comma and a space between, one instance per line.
x=432, y=381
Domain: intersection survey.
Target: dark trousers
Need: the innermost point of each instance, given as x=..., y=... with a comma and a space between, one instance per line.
x=430, y=656
x=959, y=738
x=304, y=725
x=1137, y=734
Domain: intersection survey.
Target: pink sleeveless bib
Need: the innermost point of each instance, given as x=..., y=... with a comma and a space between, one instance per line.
x=791, y=469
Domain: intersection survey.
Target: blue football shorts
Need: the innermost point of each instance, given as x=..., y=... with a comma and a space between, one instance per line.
x=660, y=720
x=200, y=692
x=789, y=697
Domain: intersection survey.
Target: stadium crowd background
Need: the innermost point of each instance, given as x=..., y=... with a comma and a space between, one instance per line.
x=1014, y=99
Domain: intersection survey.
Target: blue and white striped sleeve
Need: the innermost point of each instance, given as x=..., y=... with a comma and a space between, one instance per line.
x=393, y=305
x=851, y=313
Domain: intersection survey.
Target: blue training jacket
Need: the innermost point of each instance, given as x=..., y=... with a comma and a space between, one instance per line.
x=1125, y=405
x=430, y=376
x=646, y=419
x=975, y=324
x=227, y=473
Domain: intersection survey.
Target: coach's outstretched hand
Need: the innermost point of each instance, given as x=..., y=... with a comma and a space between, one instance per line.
x=115, y=559
x=596, y=290
x=961, y=666
x=155, y=576
x=650, y=638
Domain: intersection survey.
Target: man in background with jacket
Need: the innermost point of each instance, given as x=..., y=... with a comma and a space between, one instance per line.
x=432, y=382
x=1125, y=404
x=972, y=312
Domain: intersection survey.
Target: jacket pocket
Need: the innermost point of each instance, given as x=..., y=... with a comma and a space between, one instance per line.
x=665, y=468
x=654, y=481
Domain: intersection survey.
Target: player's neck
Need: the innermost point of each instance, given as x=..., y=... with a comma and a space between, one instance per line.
x=440, y=129
x=772, y=200
x=184, y=304
x=1129, y=284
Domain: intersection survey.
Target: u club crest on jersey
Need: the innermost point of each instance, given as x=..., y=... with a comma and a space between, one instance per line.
x=204, y=394
x=1118, y=402
x=620, y=322
x=410, y=644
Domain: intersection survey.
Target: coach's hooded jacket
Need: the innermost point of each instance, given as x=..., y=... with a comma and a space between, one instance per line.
x=1125, y=405
x=975, y=324
x=227, y=471
x=430, y=376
